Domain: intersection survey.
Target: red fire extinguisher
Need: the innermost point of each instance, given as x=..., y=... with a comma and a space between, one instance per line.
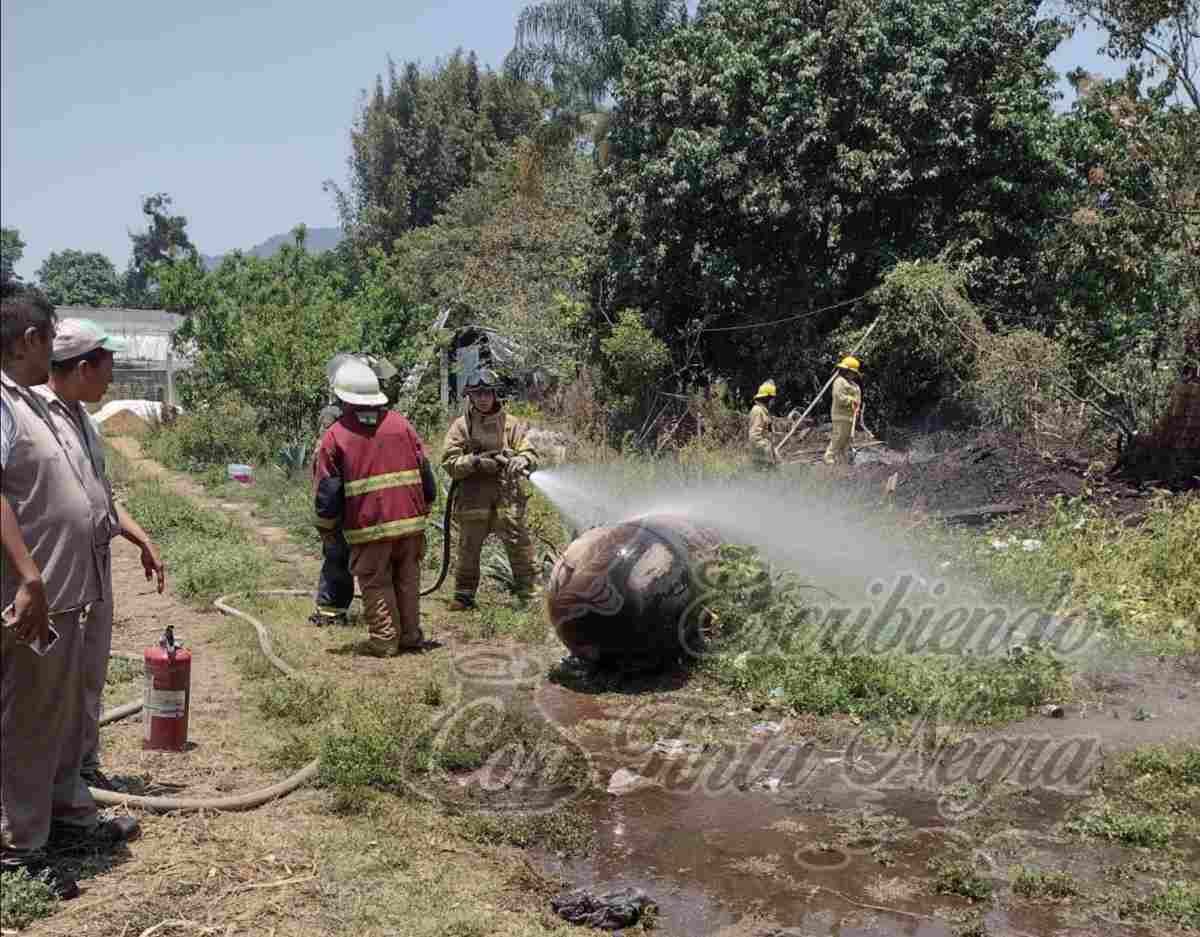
x=167, y=694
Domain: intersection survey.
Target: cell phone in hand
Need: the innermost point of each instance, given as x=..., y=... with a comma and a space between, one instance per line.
x=39, y=647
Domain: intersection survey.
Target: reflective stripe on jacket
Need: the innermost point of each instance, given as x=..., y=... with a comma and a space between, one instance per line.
x=368, y=479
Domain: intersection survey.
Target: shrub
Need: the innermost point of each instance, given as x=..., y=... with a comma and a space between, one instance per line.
x=24, y=899
x=227, y=430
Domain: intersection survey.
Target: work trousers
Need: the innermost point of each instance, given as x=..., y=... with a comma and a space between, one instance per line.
x=97, y=645
x=506, y=520
x=838, y=451
x=389, y=572
x=335, y=587
x=41, y=701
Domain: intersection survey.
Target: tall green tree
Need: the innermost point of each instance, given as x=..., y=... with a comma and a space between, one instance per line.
x=163, y=242
x=773, y=159
x=80, y=278
x=419, y=137
x=579, y=47
x=12, y=249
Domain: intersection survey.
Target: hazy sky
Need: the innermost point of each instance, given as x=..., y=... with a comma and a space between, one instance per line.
x=238, y=109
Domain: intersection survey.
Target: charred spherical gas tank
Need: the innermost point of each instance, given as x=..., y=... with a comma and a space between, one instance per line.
x=624, y=595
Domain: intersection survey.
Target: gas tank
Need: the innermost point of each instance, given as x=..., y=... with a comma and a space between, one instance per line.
x=625, y=594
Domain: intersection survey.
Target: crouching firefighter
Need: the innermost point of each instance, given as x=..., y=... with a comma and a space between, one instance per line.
x=489, y=455
x=373, y=479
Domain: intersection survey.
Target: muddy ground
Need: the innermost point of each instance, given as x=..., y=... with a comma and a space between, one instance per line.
x=747, y=823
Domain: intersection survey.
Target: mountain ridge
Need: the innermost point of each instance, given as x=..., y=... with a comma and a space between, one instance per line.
x=317, y=240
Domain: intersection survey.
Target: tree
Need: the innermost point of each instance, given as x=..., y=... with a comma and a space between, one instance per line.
x=1163, y=36
x=774, y=160
x=579, y=47
x=164, y=241
x=79, y=278
x=420, y=137
x=12, y=249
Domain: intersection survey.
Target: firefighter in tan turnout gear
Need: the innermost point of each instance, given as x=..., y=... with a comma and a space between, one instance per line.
x=488, y=454
x=762, y=449
x=847, y=403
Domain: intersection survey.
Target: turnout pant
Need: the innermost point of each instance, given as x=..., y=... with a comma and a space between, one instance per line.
x=97, y=645
x=389, y=572
x=838, y=451
x=506, y=520
x=41, y=701
x=335, y=587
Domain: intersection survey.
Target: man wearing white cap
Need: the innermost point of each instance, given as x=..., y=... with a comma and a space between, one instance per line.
x=81, y=370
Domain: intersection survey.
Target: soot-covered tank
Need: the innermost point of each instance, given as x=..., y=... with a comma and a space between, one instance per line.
x=625, y=595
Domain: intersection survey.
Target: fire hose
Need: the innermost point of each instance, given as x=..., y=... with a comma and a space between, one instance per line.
x=259, y=797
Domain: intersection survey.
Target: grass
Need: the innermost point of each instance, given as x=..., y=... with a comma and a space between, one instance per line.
x=959, y=878
x=1174, y=903
x=1039, y=883
x=763, y=651
x=563, y=831
x=1150, y=798
x=122, y=670
x=1138, y=582
x=205, y=554
x=24, y=899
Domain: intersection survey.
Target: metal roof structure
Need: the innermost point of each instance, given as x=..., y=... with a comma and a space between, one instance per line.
x=147, y=331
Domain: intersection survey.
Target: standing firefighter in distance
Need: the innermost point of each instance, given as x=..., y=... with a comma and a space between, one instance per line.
x=762, y=449
x=372, y=477
x=489, y=455
x=335, y=586
x=847, y=402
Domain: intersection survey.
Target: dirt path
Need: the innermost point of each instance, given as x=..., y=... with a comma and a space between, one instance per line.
x=276, y=538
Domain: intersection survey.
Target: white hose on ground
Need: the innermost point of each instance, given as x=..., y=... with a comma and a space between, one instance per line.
x=235, y=801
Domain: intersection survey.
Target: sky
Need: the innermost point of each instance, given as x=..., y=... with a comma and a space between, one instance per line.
x=239, y=109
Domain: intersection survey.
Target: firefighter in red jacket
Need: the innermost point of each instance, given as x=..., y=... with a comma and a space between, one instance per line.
x=372, y=477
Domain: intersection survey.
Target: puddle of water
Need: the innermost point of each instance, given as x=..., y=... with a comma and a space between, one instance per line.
x=725, y=859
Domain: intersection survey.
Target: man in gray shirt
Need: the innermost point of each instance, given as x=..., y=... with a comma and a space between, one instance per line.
x=51, y=576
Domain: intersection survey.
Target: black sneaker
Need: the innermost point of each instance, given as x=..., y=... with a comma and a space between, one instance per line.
x=104, y=833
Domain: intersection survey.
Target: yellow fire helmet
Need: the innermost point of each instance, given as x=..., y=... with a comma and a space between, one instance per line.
x=766, y=389
x=849, y=363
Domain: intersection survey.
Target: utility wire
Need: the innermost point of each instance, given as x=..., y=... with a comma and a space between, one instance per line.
x=801, y=315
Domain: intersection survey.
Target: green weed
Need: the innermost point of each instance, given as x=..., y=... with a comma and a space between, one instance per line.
x=24, y=899
x=1137, y=582
x=959, y=878
x=122, y=670
x=1039, y=883
x=1177, y=903
x=561, y=831
x=298, y=701
x=1133, y=829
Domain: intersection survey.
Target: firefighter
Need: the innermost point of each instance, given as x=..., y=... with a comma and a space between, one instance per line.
x=372, y=479
x=335, y=586
x=847, y=402
x=762, y=449
x=489, y=455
